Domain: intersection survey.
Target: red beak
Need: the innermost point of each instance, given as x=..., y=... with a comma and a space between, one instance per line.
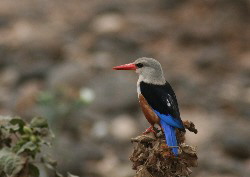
x=130, y=66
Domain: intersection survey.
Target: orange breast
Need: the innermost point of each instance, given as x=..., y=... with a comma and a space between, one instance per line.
x=148, y=111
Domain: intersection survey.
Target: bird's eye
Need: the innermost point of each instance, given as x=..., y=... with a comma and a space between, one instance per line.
x=139, y=65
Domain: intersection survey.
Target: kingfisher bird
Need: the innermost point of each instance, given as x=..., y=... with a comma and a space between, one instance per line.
x=157, y=99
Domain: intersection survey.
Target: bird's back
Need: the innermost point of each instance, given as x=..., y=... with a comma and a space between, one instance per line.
x=161, y=98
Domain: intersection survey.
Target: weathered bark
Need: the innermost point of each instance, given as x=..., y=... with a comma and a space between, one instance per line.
x=153, y=158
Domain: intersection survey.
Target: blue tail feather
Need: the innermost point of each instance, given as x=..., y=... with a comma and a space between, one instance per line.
x=170, y=135
x=170, y=120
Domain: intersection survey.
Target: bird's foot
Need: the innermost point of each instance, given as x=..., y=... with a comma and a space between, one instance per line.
x=148, y=130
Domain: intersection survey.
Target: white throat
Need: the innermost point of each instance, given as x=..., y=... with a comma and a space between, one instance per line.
x=151, y=80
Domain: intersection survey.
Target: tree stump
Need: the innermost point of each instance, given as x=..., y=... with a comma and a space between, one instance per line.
x=153, y=158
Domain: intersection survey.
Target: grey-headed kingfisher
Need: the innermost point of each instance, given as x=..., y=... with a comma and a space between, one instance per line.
x=157, y=98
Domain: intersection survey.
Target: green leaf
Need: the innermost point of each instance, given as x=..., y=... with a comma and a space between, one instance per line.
x=18, y=145
x=43, y=132
x=17, y=125
x=47, y=143
x=27, y=129
x=39, y=122
x=33, y=170
x=18, y=121
x=13, y=128
x=49, y=162
x=30, y=146
x=57, y=174
x=51, y=133
x=70, y=175
x=10, y=163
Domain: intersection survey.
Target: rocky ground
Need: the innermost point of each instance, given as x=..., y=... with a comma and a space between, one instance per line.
x=56, y=59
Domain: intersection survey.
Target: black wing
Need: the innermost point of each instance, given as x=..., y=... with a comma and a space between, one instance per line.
x=161, y=98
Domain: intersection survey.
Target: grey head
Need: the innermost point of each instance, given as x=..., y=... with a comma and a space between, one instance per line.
x=149, y=71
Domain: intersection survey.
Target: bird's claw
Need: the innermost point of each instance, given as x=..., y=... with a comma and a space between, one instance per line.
x=148, y=130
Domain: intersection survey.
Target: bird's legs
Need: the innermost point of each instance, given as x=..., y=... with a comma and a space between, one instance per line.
x=156, y=129
x=148, y=130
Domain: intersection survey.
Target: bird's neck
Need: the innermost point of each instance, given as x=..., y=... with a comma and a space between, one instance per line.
x=156, y=80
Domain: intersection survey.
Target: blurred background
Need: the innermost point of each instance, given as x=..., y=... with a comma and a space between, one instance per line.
x=56, y=60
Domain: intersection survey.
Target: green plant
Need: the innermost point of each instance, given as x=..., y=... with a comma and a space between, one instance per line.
x=20, y=144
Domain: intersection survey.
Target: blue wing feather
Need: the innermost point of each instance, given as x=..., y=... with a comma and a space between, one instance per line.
x=170, y=120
